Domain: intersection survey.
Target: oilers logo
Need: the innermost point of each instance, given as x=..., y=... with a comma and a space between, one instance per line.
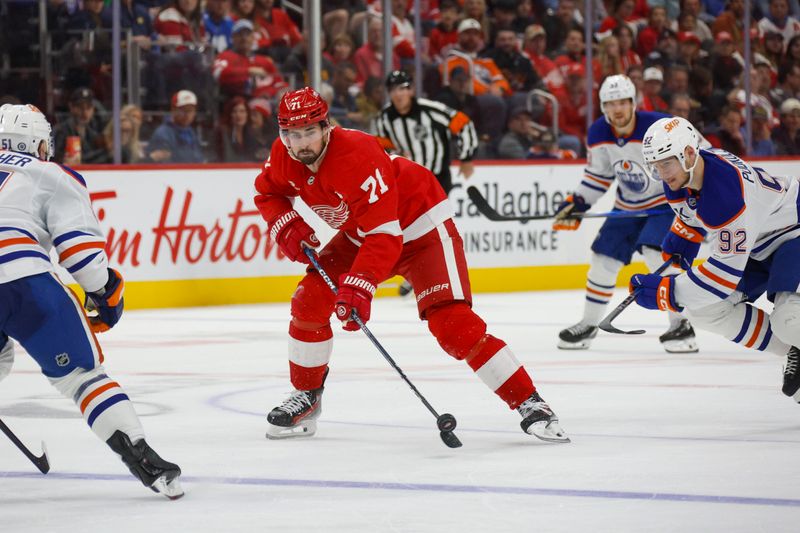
x=631, y=175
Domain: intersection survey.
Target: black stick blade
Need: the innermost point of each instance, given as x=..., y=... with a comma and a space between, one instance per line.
x=450, y=439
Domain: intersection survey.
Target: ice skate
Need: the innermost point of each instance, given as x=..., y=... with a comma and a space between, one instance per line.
x=296, y=416
x=791, y=374
x=155, y=473
x=405, y=289
x=679, y=339
x=540, y=421
x=577, y=337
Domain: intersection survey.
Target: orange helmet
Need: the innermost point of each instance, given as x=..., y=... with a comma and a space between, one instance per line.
x=302, y=107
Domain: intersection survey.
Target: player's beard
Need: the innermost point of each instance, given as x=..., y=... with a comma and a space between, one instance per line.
x=307, y=157
x=619, y=125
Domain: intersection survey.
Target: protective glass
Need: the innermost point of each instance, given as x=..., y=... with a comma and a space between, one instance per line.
x=666, y=167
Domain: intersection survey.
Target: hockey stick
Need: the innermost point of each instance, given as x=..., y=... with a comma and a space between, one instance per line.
x=489, y=212
x=605, y=324
x=42, y=463
x=445, y=422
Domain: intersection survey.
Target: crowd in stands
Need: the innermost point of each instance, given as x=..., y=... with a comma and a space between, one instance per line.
x=212, y=71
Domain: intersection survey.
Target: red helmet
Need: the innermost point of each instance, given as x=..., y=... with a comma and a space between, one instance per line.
x=302, y=107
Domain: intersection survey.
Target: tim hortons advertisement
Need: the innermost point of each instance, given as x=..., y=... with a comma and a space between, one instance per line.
x=201, y=223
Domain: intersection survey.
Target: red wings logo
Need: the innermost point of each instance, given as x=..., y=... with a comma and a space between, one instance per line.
x=335, y=217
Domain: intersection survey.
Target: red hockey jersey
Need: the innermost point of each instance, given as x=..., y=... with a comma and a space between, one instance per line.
x=378, y=201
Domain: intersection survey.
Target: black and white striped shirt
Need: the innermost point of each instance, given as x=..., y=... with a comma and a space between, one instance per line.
x=425, y=132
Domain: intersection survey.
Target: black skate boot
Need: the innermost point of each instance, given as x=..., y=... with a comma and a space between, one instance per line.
x=154, y=472
x=405, y=289
x=680, y=339
x=540, y=421
x=577, y=337
x=791, y=374
x=297, y=415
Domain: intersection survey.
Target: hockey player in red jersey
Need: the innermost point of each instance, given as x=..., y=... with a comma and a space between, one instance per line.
x=392, y=218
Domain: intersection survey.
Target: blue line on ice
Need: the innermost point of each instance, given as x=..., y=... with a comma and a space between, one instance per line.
x=432, y=487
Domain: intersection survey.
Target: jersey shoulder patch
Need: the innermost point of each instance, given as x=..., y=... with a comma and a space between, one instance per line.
x=722, y=196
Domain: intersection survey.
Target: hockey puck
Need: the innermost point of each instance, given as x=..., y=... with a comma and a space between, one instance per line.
x=446, y=422
x=450, y=439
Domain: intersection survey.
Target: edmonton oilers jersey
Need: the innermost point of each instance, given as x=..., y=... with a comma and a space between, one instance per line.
x=612, y=158
x=747, y=213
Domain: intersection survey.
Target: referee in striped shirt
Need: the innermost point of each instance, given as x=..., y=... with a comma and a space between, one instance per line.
x=421, y=130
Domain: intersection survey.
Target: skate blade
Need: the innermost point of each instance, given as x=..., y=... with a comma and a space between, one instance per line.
x=305, y=429
x=170, y=489
x=548, y=432
x=681, y=346
x=580, y=345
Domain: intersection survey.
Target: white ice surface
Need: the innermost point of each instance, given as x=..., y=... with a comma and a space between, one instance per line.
x=661, y=442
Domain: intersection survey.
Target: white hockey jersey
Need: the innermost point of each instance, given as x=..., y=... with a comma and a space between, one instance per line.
x=610, y=158
x=45, y=205
x=747, y=214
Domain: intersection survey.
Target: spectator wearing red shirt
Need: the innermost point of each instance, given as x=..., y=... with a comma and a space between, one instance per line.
x=281, y=31
x=402, y=30
x=445, y=34
x=240, y=72
x=572, y=115
x=573, y=48
x=369, y=58
x=180, y=24
x=623, y=15
x=651, y=97
x=648, y=37
x=625, y=39
x=534, y=47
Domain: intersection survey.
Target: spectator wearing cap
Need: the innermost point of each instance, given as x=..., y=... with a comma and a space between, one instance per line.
x=422, y=129
x=281, y=30
x=175, y=141
x=666, y=52
x=218, y=24
x=516, y=68
x=651, y=97
x=732, y=21
x=369, y=57
x=689, y=51
x=694, y=8
x=444, y=35
x=648, y=37
x=488, y=79
x=534, y=48
x=517, y=142
x=240, y=72
x=80, y=130
x=779, y=20
x=786, y=136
